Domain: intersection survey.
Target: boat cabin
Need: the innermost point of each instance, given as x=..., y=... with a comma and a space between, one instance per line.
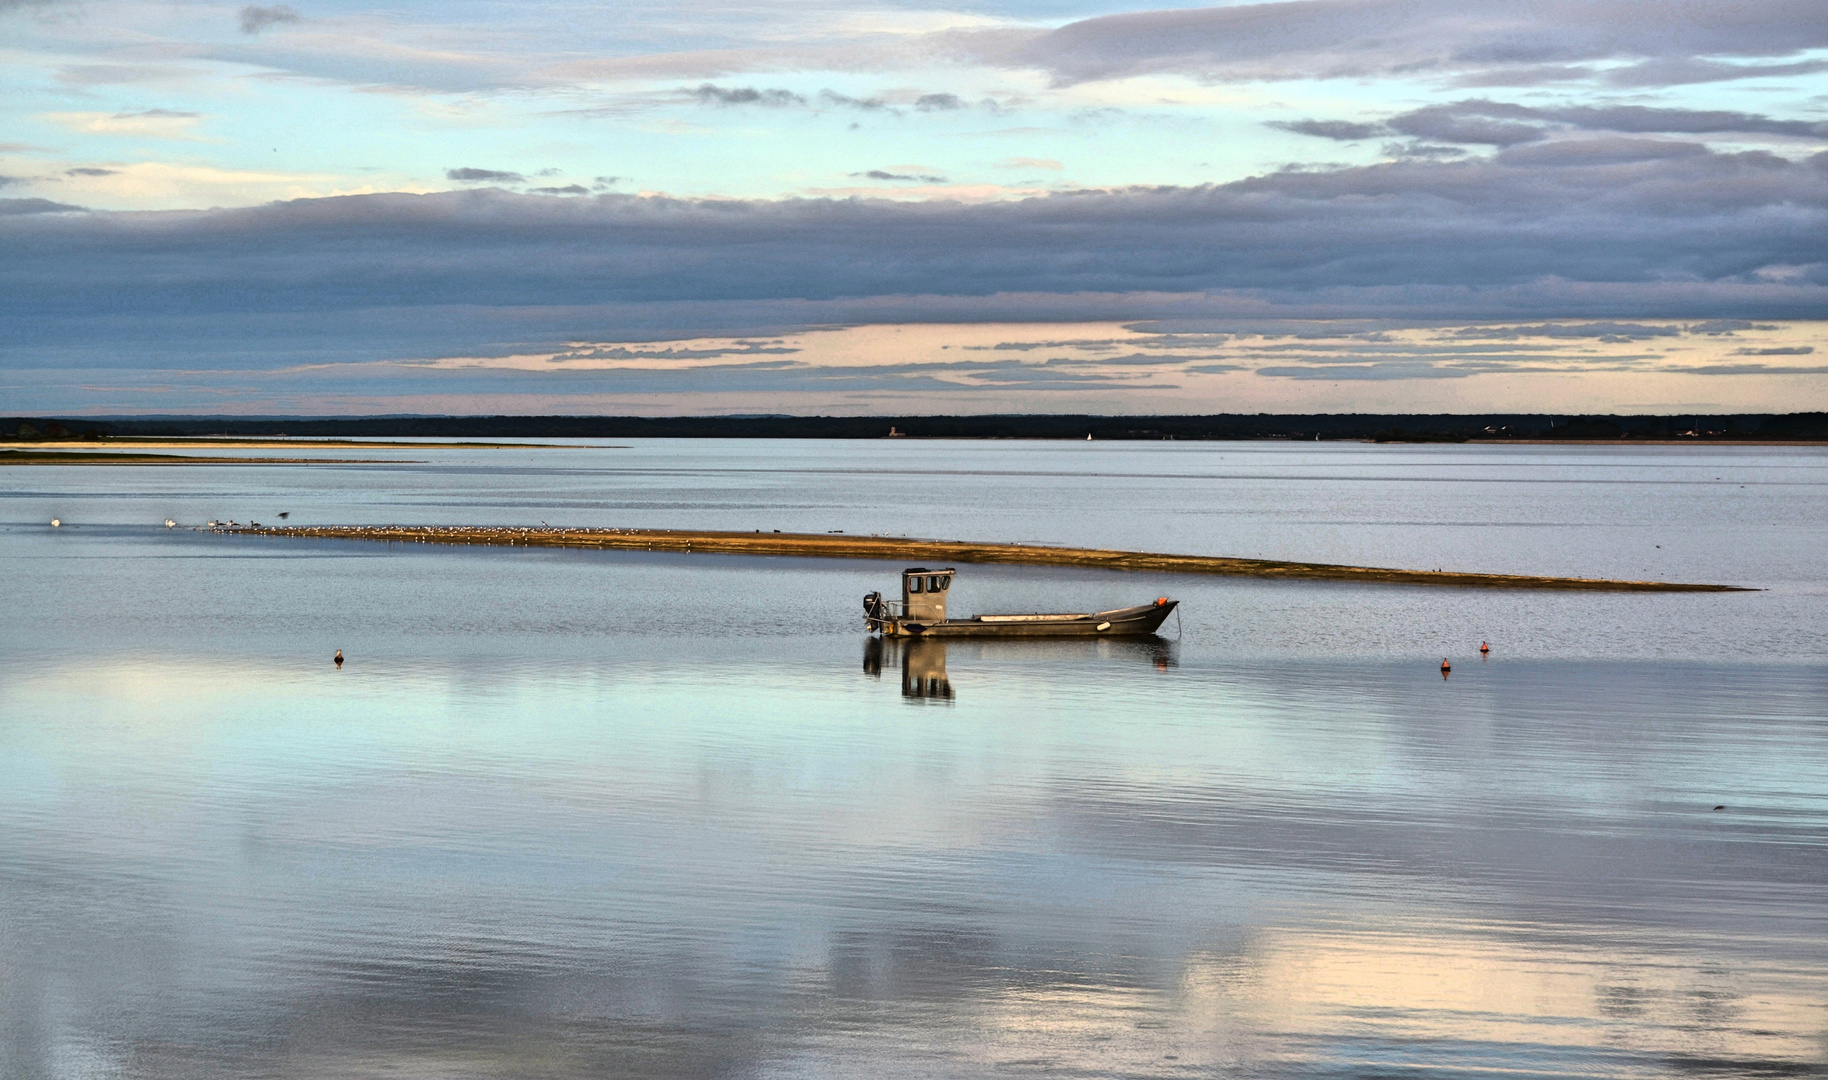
x=923, y=593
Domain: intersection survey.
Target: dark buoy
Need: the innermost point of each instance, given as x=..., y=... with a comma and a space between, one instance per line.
x=339, y=658
x=1722, y=806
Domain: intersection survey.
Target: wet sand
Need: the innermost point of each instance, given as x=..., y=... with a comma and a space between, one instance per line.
x=942, y=552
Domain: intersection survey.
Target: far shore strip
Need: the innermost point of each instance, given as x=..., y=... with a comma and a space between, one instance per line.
x=942, y=552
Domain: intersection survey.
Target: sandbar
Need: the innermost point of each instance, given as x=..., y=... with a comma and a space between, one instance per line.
x=943, y=552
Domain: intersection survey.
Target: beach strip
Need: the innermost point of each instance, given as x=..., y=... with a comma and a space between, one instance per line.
x=944, y=552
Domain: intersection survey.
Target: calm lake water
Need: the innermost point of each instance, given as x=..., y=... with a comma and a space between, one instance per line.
x=627, y=814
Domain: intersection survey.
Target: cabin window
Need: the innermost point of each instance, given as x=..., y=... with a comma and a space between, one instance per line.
x=933, y=584
x=914, y=584
x=945, y=583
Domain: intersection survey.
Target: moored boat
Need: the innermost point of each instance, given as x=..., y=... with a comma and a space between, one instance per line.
x=922, y=613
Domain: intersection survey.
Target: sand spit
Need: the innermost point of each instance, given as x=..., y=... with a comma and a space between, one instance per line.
x=943, y=552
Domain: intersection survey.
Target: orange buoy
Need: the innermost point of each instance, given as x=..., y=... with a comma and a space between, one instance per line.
x=1484, y=648
x=1445, y=666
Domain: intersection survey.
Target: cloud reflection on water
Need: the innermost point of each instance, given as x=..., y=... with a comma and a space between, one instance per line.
x=694, y=865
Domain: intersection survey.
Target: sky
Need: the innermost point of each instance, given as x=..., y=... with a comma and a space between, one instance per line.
x=837, y=206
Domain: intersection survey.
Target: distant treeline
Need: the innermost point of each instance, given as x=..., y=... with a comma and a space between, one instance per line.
x=1382, y=428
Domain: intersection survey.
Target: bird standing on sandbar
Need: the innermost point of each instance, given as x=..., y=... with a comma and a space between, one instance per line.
x=339, y=658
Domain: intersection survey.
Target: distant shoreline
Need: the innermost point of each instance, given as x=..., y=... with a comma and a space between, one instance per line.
x=941, y=552
x=1519, y=428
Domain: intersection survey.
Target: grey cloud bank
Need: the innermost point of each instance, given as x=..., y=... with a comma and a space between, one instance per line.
x=254, y=19
x=23, y=207
x=710, y=94
x=1604, y=226
x=1498, y=123
x=1550, y=40
x=483, y=176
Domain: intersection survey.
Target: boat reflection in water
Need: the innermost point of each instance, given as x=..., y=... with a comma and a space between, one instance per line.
x=923, y=660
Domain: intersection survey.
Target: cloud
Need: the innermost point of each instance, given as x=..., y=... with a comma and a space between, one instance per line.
x=794, y=375
x=7, y=181
x=1683, y=71
x=177, y=183
x=1365, y=372
x=1644, y=119
x=254, y=19
x=883, y=174
x=1503, y=124
x=568, y=189
x=1030, y=163
x=939, y=102
x=116, y=74
x=1787, y=350
x=710, y=94
x=1488, y=123
x=1357, y=38
x=483, y=176
x=1538, y=123
x=1421, y=151
x=673, y=352
x=1343, y=130
x=1750, y=369
x=1600, y=331
x=1095, y=344
x=1726, y=327
x=23, y=207
x=146, y=123
x=833, y=98
x=1601, y=232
